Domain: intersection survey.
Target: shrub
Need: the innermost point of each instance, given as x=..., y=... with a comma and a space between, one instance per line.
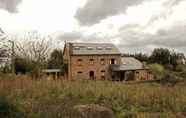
x=169, y=79
x=8, y=110
x=158, y=70
x=180, y=68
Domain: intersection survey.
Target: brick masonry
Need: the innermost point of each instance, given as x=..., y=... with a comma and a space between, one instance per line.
x=81, y=66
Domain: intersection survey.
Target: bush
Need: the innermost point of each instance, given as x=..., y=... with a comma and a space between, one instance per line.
x=180, y=68
x=169, y=79
x=8, y=110
x=158, y=70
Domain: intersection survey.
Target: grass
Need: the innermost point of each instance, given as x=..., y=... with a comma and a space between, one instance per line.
x=55, y=99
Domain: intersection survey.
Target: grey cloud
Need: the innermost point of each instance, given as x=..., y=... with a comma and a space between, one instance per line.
x=96, y=10
x=133, y=40
x=171, y=38
x=79, y=36
x=9, y=5
x=172, y=2
x=168, y=5
x=69, y=36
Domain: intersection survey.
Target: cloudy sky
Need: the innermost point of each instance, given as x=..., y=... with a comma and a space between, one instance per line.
x=133, y=25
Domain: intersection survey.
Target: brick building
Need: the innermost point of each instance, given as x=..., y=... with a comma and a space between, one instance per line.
x=96, y=61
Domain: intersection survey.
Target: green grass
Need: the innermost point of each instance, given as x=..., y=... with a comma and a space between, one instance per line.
x=55, y=99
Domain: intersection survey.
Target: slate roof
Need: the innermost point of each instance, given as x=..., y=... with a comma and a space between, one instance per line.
x=94, y=49
x=128, y=63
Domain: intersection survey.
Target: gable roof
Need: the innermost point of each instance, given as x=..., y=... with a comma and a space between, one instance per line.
x=128, y=63
x=93, y=49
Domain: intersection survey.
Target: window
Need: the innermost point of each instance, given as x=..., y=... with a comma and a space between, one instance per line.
x=79, y=61
x=102, y=77
x=79, y=72
x=91, y=61
x=108, y=48
x=102, y=61
x=99, y=48
x=77, y=48
x=102, y=72
x=112, y=61
x=149, y=72
x=90, y=48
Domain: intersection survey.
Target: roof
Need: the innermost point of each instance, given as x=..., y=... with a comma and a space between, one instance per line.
x=51, y=70
x=94, y=49
x=128, y=63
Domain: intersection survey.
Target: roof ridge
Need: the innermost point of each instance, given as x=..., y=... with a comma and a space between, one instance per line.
x=88, y=43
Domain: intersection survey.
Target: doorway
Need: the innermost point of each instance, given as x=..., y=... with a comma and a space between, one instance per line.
x=91, y=75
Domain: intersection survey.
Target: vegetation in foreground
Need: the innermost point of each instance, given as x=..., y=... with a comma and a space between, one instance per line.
x=55, y=99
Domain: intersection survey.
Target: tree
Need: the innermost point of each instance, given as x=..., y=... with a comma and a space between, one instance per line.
x=56, y=60
x=176, y=58
x=35, y=49
x=160, y=56
x=34, y=46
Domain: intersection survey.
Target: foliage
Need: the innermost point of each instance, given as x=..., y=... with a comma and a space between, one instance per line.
x=169, y=59
x=32, y=54
x=158, y=70
x=180, y=68
x=8, y=109
x=23, y=65
x=56, y=60
x=160, y=56
x=55, y=99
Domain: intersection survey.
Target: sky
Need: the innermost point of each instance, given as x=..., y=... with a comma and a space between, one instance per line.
x=132, y=25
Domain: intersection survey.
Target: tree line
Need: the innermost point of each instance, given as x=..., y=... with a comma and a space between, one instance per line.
x=35, y=53
x=163, y=56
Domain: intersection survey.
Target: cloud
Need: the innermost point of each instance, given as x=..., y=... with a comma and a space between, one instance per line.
x=96, y=10
x=172, y=38
x=69, y=36
x=9, y=5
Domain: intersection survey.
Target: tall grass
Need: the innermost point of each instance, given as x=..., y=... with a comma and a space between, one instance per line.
x=56, y=99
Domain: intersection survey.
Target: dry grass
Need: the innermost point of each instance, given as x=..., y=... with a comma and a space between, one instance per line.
x=55, y=99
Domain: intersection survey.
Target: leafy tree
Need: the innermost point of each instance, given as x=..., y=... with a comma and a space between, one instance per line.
x=160, y=56
x=56, y=60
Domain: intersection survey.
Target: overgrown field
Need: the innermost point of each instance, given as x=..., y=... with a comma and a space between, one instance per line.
x=25, y=98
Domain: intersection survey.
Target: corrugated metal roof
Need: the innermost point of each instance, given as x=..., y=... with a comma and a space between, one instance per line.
x=94, y=49
x=128, y=63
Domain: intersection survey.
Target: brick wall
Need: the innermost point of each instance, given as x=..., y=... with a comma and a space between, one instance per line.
x=80, y=66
